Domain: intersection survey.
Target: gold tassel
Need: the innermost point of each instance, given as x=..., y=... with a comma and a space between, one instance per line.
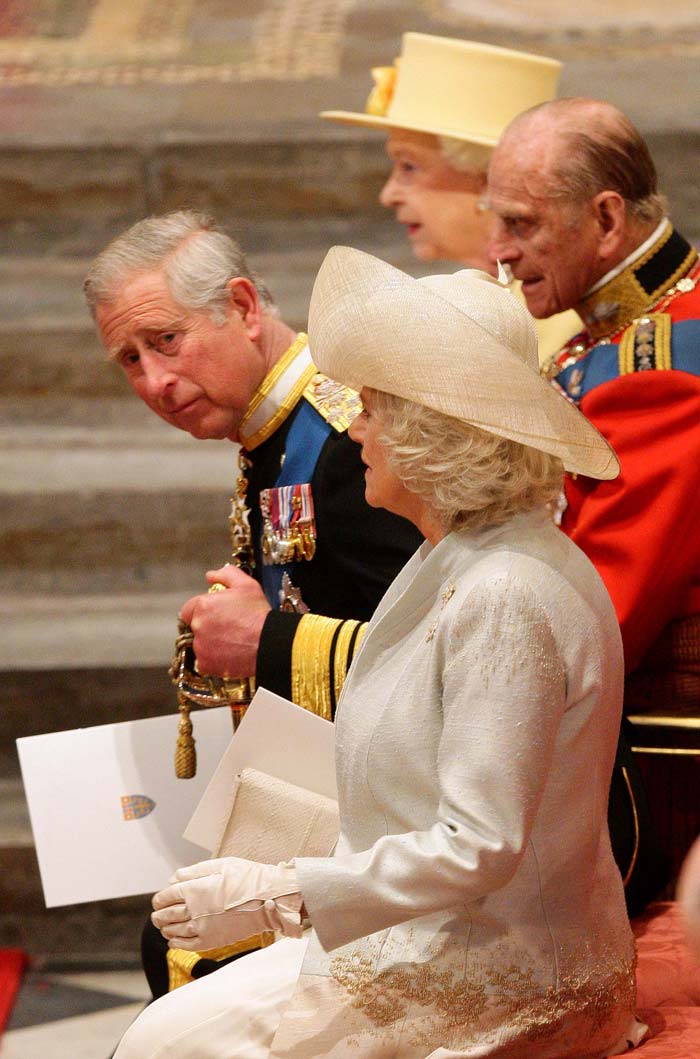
x=185, y=751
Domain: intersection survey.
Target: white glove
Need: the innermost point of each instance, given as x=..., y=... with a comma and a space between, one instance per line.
x=219, y=902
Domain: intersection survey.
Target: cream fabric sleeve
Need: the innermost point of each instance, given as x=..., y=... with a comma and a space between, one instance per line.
x=504, y=694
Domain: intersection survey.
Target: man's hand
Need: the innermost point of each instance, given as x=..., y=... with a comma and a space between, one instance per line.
x=227, y=625
x=219, y=902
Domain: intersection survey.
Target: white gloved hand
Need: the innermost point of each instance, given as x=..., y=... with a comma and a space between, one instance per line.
x=219, y=902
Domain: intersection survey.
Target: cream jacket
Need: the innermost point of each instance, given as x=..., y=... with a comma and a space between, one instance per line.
x=472, y=906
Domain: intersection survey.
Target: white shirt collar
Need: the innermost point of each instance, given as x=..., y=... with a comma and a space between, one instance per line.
x=631, y=258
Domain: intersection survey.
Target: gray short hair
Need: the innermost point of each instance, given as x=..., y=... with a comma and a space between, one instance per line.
x=466, y=157
x=601, y=150
x=469, y=478
x=197, y=257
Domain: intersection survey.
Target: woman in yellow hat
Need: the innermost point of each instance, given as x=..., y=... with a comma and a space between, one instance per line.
x=444, y=104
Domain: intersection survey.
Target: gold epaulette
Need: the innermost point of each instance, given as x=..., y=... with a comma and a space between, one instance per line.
x=646, y=344
x=322, y=651
x=337, y=404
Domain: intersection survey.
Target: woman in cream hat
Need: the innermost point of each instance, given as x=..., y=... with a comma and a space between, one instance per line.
x=444, y=104
x=472, y=906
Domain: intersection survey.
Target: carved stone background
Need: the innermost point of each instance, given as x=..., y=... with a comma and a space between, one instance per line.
x=109, y=42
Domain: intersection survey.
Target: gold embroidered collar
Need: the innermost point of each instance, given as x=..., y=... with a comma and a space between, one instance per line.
x=638, y=286
x=277, y=395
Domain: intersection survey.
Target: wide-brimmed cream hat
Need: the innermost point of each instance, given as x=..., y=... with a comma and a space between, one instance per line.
x=461, y=344
x=458, y=88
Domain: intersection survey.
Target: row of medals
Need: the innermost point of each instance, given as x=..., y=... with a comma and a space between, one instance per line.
x=290, y=544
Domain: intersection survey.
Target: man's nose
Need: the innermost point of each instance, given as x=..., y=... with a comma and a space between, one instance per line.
x=500, y=246
x=160, y=378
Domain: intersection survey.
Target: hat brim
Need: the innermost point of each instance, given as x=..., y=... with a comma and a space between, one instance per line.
x=372, y=325
x=347, y=117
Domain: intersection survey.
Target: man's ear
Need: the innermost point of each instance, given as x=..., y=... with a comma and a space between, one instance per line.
x=610, y=211
x=244, y=300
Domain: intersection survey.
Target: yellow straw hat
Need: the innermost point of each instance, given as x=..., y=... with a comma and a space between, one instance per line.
x=461, y=344
x=456, y=88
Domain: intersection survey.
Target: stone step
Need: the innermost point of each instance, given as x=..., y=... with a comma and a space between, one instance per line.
x=53, y=419
x=15, y=828
x=95, y=510
x=52, y=631
x=70, y=200
x=52, y=700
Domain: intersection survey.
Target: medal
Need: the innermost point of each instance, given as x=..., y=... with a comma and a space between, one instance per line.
x=289, y=524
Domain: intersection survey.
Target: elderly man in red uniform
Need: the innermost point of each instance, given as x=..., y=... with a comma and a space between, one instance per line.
x=581, y=224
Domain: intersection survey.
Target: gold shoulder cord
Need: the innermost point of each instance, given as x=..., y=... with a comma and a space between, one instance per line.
x=195, y=690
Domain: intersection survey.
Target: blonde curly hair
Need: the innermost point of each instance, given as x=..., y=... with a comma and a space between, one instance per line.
x=469, y=478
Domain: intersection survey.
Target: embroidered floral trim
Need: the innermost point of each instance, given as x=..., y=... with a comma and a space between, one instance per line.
x=445, y=596
x=469, y=1006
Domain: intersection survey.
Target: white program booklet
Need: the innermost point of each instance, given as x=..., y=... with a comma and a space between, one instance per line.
x=275, y=737
x=106, y=809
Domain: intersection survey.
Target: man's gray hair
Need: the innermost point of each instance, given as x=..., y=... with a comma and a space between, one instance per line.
x=601, y=150
x=197, y=257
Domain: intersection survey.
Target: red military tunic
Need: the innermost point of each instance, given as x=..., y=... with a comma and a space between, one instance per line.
x=635, y=373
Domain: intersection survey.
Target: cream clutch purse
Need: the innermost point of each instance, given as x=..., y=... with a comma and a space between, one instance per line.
x=272, y=821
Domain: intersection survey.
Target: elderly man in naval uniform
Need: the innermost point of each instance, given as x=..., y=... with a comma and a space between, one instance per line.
x=194, y=330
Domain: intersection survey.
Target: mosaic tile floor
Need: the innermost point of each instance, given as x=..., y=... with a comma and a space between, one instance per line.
x=72, y=1015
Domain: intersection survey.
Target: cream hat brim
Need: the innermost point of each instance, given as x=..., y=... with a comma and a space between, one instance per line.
x=348, y=117
x=460, y=344
x=463, y=89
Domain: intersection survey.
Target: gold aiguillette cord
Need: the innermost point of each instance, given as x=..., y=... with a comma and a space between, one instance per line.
x=194, y=689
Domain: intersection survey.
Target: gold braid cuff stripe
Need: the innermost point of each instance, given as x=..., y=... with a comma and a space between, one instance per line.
x=311, y=663
x=182, y=961
x=349, y=636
